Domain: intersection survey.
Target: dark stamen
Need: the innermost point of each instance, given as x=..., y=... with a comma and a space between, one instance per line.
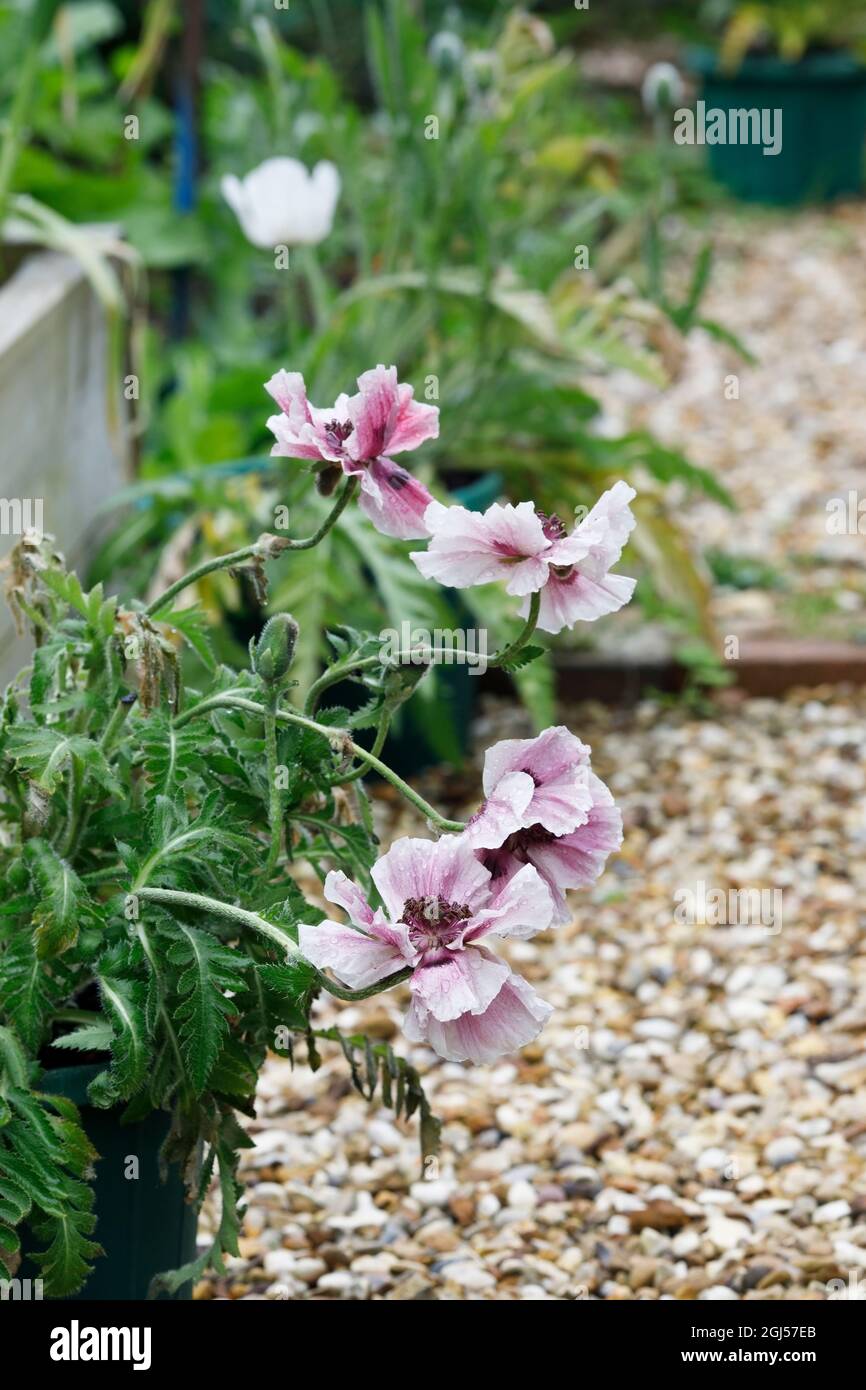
x=552, y=526
x=339, y=430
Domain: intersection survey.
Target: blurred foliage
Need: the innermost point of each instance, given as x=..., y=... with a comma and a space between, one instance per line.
x=788, y=29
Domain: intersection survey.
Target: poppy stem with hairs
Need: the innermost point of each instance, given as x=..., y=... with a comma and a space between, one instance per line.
x=266, y=547
x=171, y=897
x=508, y=653
x=338, y=739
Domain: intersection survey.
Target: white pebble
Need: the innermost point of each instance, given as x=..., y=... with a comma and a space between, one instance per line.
x=831, y=1211
x=522, y=1196
x=488, y=1204
x=469, y=1275
x=663, y=1028
x=434, y=1193
x=783, y=1150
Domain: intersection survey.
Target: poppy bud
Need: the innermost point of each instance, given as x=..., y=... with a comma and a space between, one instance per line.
x=272, y=654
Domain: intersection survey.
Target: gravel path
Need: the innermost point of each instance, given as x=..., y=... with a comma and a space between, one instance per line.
x=793, y=288
x=692, y=1121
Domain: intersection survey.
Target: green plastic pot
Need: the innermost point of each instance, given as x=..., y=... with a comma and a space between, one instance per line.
x=145, y=1226
x=823, y=103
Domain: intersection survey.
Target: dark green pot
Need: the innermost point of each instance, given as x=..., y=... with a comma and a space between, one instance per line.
x=145, y=1226
x=823, y=103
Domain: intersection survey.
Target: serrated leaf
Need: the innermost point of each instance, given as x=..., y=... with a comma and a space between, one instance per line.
x=14, y=1202
x=45, y=753
x=99, y=611
x=63, y=903
x=13, y=1063
x=208, y=969
x=192, y=624
x=524, y=657
x=168, y=755
x=28, y=992
x=122, y=1000
x=9, y=1241
x=95, y=1037
x=292, y=987
x=66, y=1263
x=48, y=663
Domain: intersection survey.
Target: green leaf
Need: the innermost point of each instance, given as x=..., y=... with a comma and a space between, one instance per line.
x=12, y=1059
x=48, y=663
x=63, y=901
x=524, y=657
x=95, y=1037
x=9, y=1242
x=99, y=611
x=169, y=756
x=28, y=992
x=381, y=1066
x=208, y=970
x=291, y=988
x=193, y=625
x=66, y=1263
x=44, y=1153
x=45, y=753
x=123, y=1001
x=14, y=1202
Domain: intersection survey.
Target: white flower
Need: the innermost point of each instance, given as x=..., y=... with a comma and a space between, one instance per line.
x=282, y=203
x=662, y=87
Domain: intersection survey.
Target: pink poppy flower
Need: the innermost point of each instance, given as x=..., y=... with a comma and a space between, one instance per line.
x=572, y=860
x=542, y=781
x=468, y=548
x=579, y=587
x=466, y=1003
x=532, y=552
x=357, y=435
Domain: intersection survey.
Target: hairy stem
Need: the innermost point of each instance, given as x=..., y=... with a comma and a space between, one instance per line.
x=249, y=552
x=76, y=783
x=520, y=641
x=169, y=897
x=378, y=745
x=332, y=676
x=275, y=809
x=338, y=739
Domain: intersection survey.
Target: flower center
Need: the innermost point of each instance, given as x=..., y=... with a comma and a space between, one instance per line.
x=338, y=432
x=552, y=526
x=432, y=921
x=523, y=839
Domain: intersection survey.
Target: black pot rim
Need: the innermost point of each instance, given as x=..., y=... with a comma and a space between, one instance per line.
x=71, y=1082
